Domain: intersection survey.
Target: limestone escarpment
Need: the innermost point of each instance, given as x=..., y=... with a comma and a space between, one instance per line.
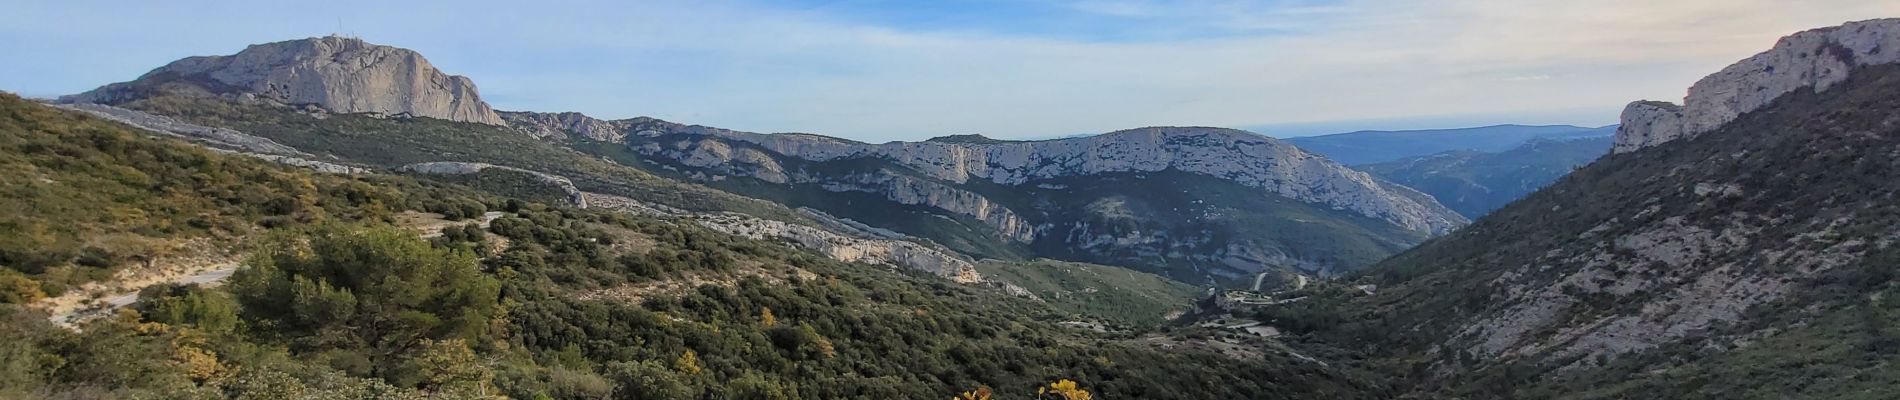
x=1252, y=160
x=336, y=74
x=1815, y=59
x=914, y=191
x=563, y=125
x=1212, y=204
x=717, y=156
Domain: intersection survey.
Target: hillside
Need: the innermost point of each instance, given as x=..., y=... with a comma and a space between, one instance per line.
x=1474, y=183
x=327, y=218
x=94, y=199
x=1368, y=147
x=1752, y=260
x=392, y=143
x=1117, y=295
x=1248, y=203
x=548, y=301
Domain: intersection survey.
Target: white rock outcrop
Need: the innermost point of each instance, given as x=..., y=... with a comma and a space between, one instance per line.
x=1814, y=59
x=168, y=126
x=848, y=249
x=914, y=191
x=220, y=140
x=319, y=166
x=563, y=125
x=836, y=243
x=574, y=195
x=338, y=74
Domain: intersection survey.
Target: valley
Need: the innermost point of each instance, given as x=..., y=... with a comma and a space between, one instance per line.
x=329, y=218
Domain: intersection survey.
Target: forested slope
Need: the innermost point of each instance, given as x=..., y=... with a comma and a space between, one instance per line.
x=547, y=302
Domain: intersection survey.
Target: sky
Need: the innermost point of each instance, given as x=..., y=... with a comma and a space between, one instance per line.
x=877, y=70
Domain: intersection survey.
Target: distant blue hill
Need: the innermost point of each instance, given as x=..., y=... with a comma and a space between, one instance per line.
x=1366, y=147
x=1474, y=183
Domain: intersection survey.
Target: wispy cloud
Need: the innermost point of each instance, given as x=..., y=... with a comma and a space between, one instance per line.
x=1230, y=16
x=861, y=70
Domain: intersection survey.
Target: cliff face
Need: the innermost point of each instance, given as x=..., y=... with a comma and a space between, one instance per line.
x=339, y=75
x=1253, y=160
x=997, y=198
x=564, y=125
x=1815, y=59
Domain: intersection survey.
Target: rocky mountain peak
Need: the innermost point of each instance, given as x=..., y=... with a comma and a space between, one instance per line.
x=337, y=74
x=966, y=138
x=1814, y=59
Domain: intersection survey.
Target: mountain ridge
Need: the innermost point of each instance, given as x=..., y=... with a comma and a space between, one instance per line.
x=970, y=194
x=957, y=190
x=1376, y=146
x=959, y=160
x=1475, y=182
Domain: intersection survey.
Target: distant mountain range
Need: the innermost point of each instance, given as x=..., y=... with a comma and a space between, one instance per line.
x=1739, y=245
x=1475, y=182
x=1366, y=147
x=1203, y=205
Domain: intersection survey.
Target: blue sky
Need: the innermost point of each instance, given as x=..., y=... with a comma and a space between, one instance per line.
x=891, y=70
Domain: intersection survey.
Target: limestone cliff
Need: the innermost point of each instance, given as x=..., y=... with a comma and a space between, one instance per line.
x=1253, y=160
x=1815, y=60
x=1199, y=204
x=562, y=125
x=1249, y=159
x=336, y=74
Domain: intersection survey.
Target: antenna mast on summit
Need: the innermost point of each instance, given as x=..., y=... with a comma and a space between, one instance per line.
x=339, y=29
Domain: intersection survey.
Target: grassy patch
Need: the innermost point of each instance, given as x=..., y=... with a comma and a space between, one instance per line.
x=1116, y=294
